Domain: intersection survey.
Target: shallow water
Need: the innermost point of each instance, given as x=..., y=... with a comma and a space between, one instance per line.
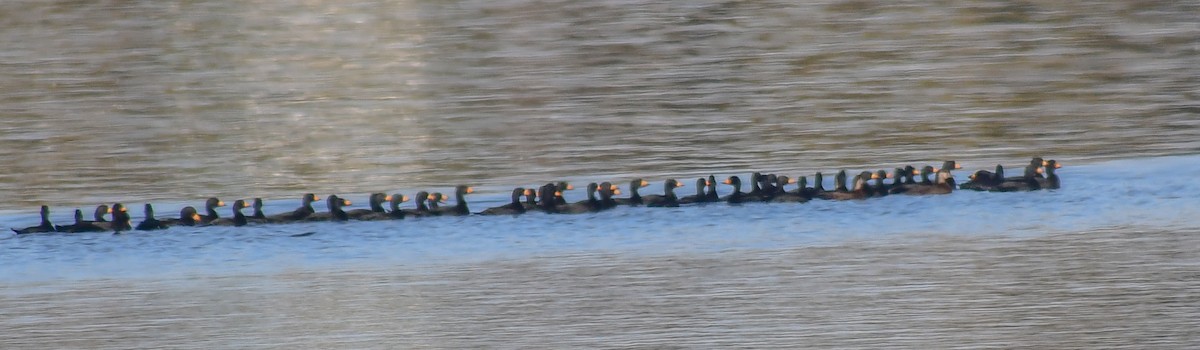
x=171, y=103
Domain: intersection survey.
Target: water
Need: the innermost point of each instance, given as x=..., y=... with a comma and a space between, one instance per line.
x=171, y=103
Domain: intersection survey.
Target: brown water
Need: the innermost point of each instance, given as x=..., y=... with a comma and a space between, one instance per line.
x=172, y=102
x=107, y=101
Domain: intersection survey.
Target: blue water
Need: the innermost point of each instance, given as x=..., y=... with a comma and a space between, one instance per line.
x=1145, y=193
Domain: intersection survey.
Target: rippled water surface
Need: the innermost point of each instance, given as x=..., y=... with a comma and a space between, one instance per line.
x=174, y=102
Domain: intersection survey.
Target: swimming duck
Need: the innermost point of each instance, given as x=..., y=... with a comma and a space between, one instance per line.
x=668, y=199
x=839, y=182
x=422, y=209
x=859, y=190
x=879, y=189
x=515, y=207
x=607, y=191
x=375, y=202
x=791, y=197
x=394, y=212
x=210, y=209
x=121, y=220
x=238, y=218
x=44, y=226
x=737, y=196
x=80, y=225
x=591, y=204
x=150, y=223
x=983, y=180
x=187, y=217
x=460, y=202
x=1050, y=181
x=531, y=197
x=711, y=195
x=548, y=204
x=304, y=211
x=334, y=204
x=635, y=198
x=699, y=197
x=562, y=186
x=944, y=184
x=1028, y=181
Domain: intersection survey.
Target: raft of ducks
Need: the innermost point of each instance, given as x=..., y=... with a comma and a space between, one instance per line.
x=1038, y=174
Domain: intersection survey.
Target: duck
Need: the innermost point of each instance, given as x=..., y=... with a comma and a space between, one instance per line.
x=711, y=195
x=859, y=190
x=817, y=188
x=591, y=204
x=1028, y=181
x=258, y=212
x=393, y=213
x=515, y=207
x=238, y=218
x=548, y=204
x=737, y=196
x=926, y=171
x=121, y=220
x=100, y=212
x=879, y=189
x=668, y=198
x=790, y=197
x=635, y=198
x=375, y=202
x=80, y=225
x=335, y=213
x=944, y=184
x=460, y=202
x=607, y=191
x=756, y=192
x=150, y=223
x=44, y=226
x=531, y=197
x=699, y=197
x=1050, y=181
x=187, y=217
x=422, y=209
x=983, y=180
x=301, y=213
x=839, y=182
x=558, y=195
x=433, y=202
x=210, y=210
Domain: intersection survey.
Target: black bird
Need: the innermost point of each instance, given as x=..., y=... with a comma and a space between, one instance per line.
x=879, y=189
x=791, y=197
x=515, y=207
x=210, y=210
x=943, y=185
x=304, y=211
x=668, y=199
x=531, y=197
x=711, y=195
x=839, y=182
x=187, y=217
x=737, y=196
x=422, y=209
x=375, y=202
x=756, y=193
x=460, y=202
x=817, y=187
x=607, y=191
x=121, y=220
x=394, y=212
x=44, y=226
x=238, y=218
x=335, y=213
x=1028, y=181
x=548, y=204
x=984, y=180
x=1050, y=182
x=562, y=186
x=258, y=213
x=635, y=198
x=150, y=223
x=80, y=225
x=591, y=204
x=699, y=197
x=858, y=192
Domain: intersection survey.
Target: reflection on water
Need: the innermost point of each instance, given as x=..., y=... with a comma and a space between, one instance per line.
x=108, y=101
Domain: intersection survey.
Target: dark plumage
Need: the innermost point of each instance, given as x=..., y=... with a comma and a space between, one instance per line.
x=667, y=199
x=944, y=184
x=150, y=223
x=607, y=191
x=44, y=226
x=635, y=198
x=301, y=213
x=238, y=218
x=1050, y=181
x=859, y=190
x=80, y=225
x=422, y=209
x=591, y=204
x=460, y=202
x=699, y=197
x=210, y=210
x=334, y=204
x=562, y=186
x=394, y=212
x=375, y=202
x=121, y=220
x=984, y=180
x=790, y=197
x=515, y=207
x=1028, y=181
x=737, y=196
